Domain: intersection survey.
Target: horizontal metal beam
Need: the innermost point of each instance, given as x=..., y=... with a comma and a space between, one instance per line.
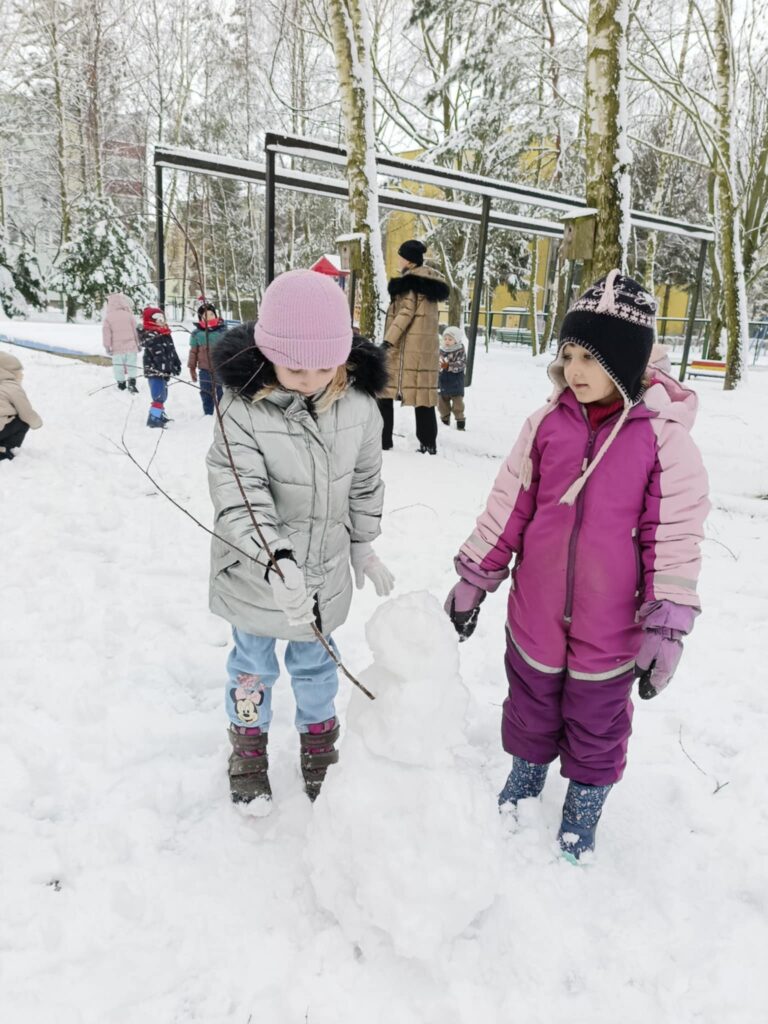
x=336, y=188
x=309, y=149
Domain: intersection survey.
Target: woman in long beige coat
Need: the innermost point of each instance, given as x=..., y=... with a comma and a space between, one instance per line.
x=412, y=341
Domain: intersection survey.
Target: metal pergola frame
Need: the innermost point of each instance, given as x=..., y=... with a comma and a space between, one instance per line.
x=488, y=189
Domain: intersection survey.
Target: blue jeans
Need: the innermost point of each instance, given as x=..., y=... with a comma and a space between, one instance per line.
x=206, y=391
x=253, y=670
x=158, y=389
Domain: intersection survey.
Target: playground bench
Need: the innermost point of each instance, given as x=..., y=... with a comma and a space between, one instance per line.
x=511, y=335
x=706, y=368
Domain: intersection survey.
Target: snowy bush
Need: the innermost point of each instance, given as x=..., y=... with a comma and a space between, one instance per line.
x=20, y=283
x=101, y=258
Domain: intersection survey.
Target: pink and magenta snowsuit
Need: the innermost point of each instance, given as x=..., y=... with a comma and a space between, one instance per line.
x=583, y=570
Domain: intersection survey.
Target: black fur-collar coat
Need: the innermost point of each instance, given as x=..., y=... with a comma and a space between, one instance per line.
x=412, y=334
x=241, y=366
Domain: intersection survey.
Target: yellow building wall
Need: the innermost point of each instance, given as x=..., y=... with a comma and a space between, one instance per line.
x=400, y=226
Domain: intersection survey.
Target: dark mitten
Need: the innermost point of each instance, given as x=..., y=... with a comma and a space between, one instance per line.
x=463, y=607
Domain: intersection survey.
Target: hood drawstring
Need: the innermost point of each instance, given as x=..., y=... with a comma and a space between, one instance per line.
x=575, y=489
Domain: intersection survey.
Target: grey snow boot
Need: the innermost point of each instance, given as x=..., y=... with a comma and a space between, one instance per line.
x=525, y=780
x=318, y=751
x=581, y=813
x=248, y=764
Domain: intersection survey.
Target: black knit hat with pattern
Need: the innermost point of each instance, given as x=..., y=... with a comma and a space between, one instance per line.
x=206, y=307
x=614, y=320
x=413, y=250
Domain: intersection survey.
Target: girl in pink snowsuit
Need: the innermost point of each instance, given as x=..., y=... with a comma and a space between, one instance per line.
x=602, y=500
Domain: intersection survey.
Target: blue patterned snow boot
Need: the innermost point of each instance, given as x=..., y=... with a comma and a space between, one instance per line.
x=525, y=780
x=581, y=813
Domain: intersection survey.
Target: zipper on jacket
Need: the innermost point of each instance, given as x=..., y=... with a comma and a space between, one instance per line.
x=316, y=435
x=327, y=504
x=568, y=611
x=308, y=442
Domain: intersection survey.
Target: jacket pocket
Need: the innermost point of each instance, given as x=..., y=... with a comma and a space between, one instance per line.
x=224, y=564
x=638, y=562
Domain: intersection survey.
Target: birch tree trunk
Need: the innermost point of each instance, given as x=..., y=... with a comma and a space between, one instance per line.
x=608, y=155
x=727, y=217
x=665, y=159
x=350, y=26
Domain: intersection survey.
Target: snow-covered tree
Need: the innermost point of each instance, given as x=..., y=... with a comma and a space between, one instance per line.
x=608, y=156
x=101, y=257
x=726, y=201
x=20, y=283
x=352, y=40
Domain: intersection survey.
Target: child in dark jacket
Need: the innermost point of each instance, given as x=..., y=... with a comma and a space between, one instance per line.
x=209, y=331
x=161, y=362
x=450, y=382
x=603, y=500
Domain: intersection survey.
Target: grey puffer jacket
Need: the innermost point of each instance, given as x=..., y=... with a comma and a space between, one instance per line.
x=312, y=479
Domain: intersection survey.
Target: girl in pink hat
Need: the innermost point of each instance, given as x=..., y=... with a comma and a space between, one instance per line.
x=299, y=451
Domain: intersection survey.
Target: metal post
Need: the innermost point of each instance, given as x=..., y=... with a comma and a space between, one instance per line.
x=489, y=327
x=477, y=289
x=269, y=215
x=692, y=308
x=160, y=227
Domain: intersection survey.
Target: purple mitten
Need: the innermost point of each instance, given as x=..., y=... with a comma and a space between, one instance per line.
x=664, y=625
x=463, y=606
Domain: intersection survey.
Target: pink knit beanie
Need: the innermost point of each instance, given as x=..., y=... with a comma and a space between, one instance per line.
x=304, y=322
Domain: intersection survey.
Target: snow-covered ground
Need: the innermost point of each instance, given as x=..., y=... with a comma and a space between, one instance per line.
x=131, y=891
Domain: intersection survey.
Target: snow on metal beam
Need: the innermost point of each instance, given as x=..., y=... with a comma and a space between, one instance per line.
x=311, y=149
x=308, y=148
x=336, y=188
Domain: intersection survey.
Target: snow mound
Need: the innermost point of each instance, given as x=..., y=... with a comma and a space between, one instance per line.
x=403, y=839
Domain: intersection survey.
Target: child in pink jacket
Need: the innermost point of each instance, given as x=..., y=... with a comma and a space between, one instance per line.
x=602, y=501
x=121, y=341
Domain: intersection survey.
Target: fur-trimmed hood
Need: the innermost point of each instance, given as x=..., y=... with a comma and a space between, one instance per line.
x=423, y=280
x=241, y=366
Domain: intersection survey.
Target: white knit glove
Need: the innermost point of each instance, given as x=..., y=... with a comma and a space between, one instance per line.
x=366, y=563
x=290, y=593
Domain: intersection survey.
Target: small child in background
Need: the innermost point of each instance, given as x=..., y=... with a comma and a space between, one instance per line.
x=210, y=330
x=161, y=361
x=450, y=384
x=16, y=414
x=121, y=341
